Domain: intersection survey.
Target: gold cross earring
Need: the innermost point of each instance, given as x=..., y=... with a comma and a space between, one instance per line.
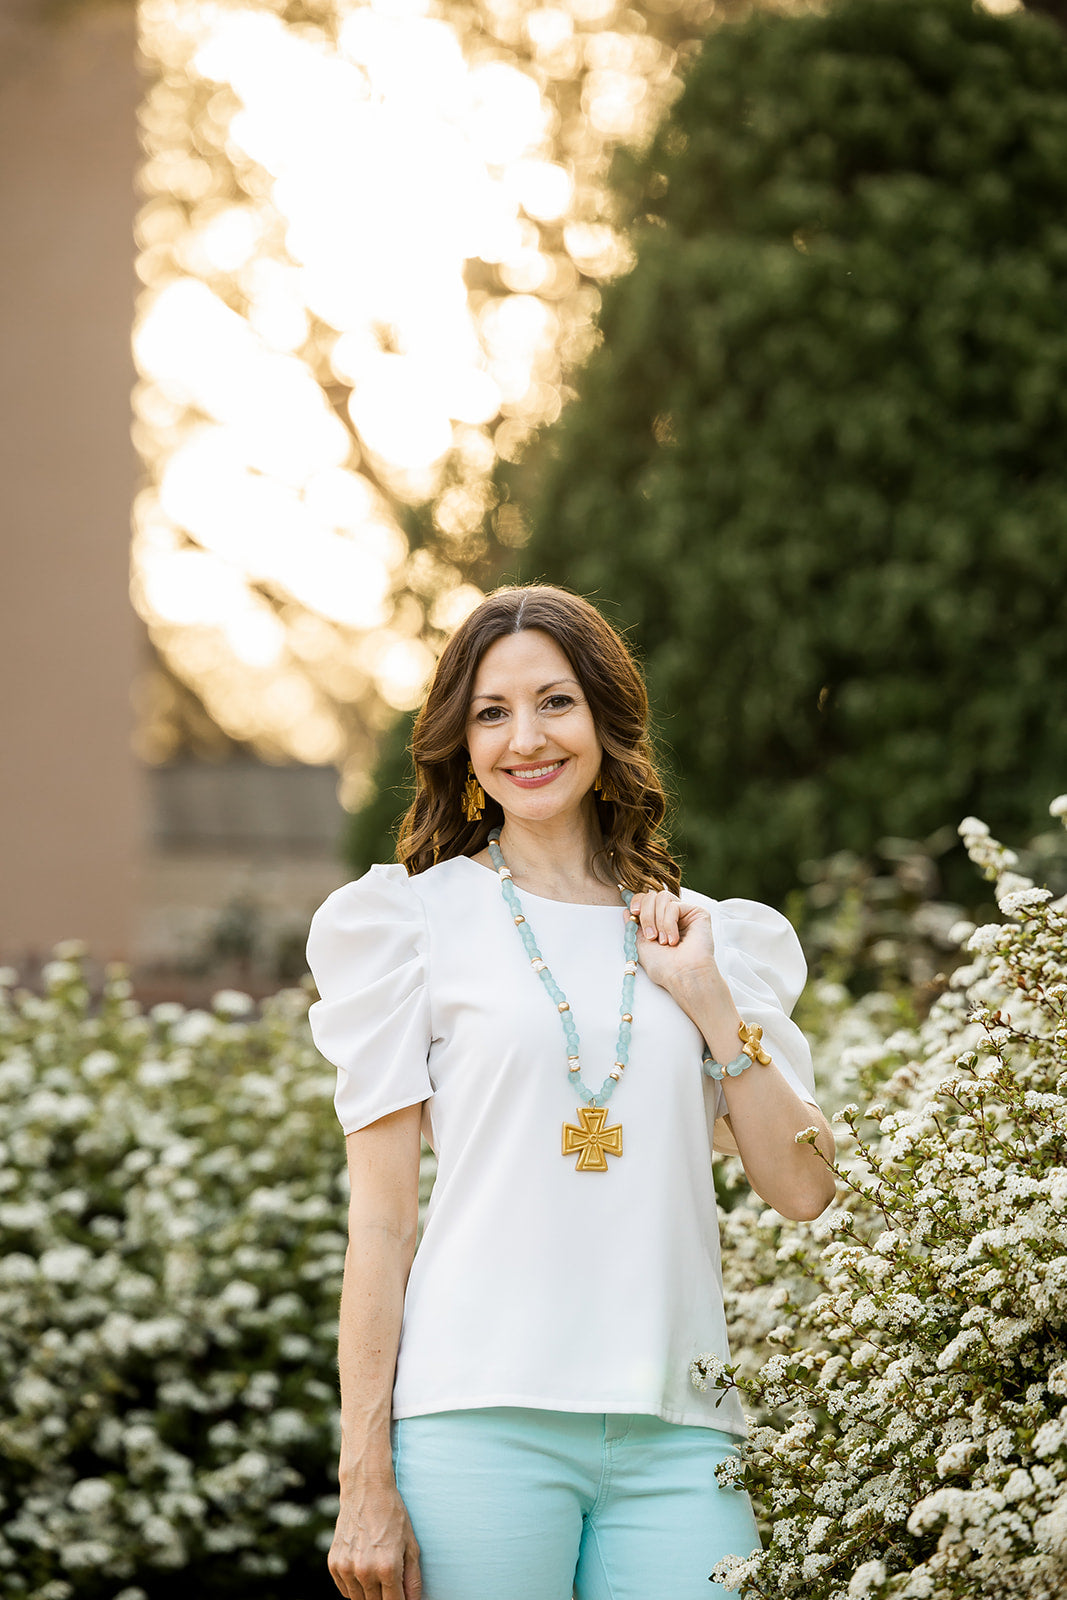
x=473, y=796
x=604, y=790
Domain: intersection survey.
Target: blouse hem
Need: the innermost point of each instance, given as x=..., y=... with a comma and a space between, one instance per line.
x=616, y=1407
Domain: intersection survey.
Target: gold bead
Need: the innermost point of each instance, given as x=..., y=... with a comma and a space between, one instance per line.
x=564, y=1005
x=626, y=1017
x=519, y=919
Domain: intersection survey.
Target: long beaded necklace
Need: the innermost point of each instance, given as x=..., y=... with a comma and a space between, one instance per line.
x=592, y=1141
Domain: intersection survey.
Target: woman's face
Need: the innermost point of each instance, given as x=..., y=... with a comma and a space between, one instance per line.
x=530, y=732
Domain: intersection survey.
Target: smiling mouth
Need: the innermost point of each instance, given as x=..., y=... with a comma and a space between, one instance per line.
x=534, y=774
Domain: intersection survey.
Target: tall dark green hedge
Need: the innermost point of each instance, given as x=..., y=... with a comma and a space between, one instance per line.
x=820, y=459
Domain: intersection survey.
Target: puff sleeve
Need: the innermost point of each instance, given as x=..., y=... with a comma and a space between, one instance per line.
x=367, y=954
x=759, y=955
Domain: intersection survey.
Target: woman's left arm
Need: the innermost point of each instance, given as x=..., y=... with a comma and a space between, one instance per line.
x=677, y=950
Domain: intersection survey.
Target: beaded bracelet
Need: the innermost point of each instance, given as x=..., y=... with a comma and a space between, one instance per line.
x=715, y=1069
x=751, y=1050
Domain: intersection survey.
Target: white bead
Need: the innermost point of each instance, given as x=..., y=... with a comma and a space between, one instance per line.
x=538, y=964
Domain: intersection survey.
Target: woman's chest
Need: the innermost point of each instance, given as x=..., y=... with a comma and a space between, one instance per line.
x=495, y=1016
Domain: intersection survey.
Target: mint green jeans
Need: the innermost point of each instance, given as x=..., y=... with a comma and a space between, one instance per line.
x=512, y=1503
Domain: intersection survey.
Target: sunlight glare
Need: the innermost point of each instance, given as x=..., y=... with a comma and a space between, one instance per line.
x=363, y=270
x=267, y=530
x=205, y=355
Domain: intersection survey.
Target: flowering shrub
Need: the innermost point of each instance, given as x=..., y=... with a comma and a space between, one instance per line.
x=172, y=1215
x=172, y=1221
x=912, y=1436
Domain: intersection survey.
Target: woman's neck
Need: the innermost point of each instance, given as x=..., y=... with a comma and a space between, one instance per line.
x=556, y=859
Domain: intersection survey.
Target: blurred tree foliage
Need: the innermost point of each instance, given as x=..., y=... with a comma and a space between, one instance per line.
x=371, y=831
x=818, y=459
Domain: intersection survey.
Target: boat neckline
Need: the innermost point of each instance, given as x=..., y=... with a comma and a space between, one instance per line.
x=576, y=905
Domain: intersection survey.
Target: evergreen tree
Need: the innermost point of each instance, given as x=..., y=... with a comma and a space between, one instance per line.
x=818, y=459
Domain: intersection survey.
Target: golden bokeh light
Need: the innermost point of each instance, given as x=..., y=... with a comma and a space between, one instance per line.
x=370, y=243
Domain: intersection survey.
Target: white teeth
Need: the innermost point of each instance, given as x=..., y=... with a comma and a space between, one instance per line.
x=536, y=772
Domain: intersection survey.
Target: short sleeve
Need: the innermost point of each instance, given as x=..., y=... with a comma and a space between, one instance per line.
x=367, y=954
x=759, y=955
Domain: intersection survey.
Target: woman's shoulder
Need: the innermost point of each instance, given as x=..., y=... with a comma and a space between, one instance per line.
x=382, y=885
x=377, y=915
x=386, y=891
x=759, y=937
x=737, y=912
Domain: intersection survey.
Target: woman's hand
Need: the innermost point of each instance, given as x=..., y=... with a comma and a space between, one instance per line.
x=674, y=941
x=374, y=1554
x=676, y=948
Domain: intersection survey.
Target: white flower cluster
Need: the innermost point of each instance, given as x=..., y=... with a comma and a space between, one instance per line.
x=911, y=1426
x=172, y=1234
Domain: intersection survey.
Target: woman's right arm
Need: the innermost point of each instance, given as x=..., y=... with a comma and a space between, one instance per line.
x=374, y=1555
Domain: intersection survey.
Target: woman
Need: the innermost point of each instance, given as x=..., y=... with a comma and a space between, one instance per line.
x=517, y=1417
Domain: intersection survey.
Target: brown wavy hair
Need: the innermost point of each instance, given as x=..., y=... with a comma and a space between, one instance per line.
x=435, y=827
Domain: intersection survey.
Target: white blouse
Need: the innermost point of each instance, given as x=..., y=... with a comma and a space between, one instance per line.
x=534, y=1284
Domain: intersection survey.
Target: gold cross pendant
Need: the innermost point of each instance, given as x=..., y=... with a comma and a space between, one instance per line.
x=592, y=1139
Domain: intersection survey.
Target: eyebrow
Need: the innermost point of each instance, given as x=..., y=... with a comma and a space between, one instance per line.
x=543, y=689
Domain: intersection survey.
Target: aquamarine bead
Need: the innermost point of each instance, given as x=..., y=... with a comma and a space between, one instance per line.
x=715, y=1069
x=556, y=994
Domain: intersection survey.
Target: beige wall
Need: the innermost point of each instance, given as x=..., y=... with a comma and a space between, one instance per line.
x=70, y=788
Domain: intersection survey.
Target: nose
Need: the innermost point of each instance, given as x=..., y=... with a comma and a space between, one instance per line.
x=527, y=734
